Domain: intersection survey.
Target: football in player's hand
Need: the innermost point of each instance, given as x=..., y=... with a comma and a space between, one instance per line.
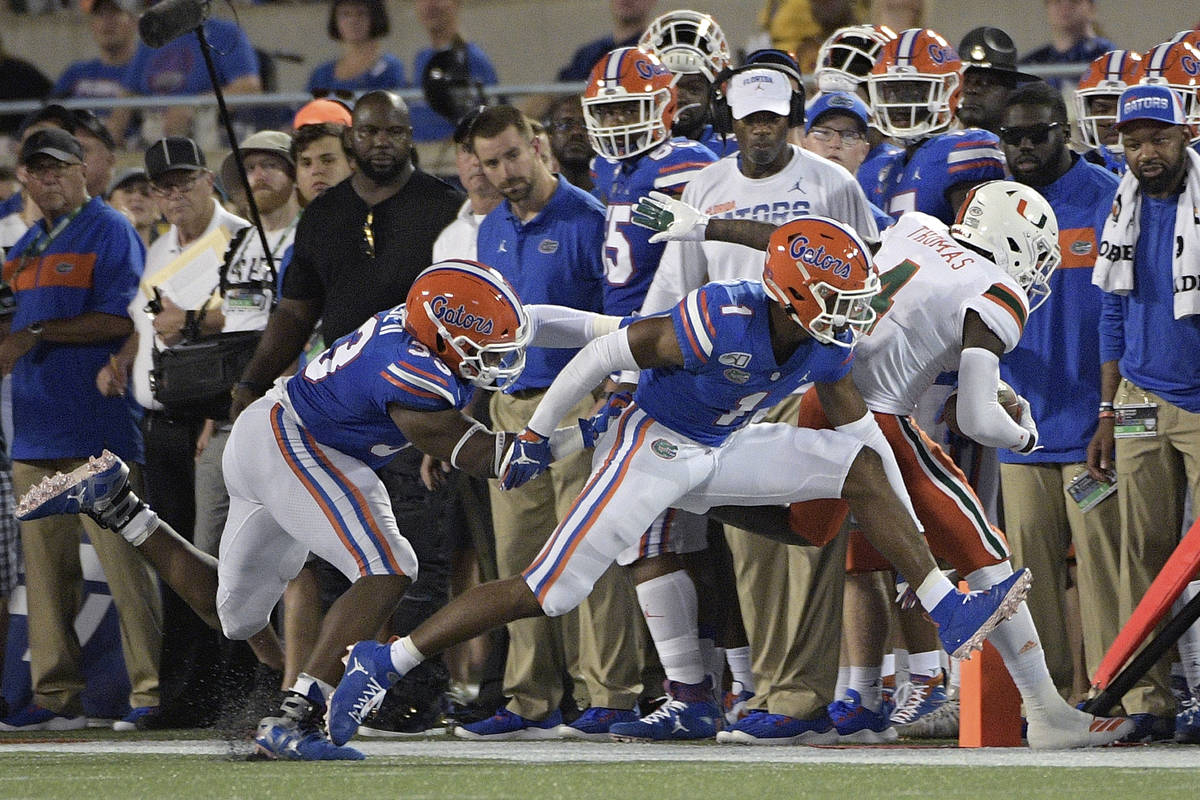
x=1007, y=399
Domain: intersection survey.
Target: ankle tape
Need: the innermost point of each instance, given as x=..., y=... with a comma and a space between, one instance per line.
x=123, y=510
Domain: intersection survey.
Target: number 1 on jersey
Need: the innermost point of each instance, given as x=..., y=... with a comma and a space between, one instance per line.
x=744, y=407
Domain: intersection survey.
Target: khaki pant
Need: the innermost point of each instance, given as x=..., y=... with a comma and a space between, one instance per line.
x=605, y=631
x=1152, y=477
x=791, y=598
x=1041, y=521
x=53, y=585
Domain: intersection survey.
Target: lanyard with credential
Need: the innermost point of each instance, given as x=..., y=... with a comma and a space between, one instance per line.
x=34, y=249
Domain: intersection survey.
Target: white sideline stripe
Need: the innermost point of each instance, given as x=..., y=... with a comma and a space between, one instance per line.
x=1165, y=756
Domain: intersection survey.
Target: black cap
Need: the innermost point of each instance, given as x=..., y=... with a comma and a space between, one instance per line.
x=174, y=152
x=59, y=115
x=124, y=178
x=991, y=48
x=85, y=120
x=54, y=143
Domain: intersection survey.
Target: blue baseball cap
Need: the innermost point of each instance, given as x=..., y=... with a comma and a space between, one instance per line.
x=1150, y=101
x=843, y=102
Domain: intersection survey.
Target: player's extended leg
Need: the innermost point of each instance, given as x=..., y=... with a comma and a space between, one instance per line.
x=101, y=490
x=627, y=490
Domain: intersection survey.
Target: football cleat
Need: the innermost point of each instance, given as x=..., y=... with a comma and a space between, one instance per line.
x=941, y=723
x=764, y=728
x=369, y=673
x=1080, y=729
x=283, y=738
x=965, y=620
x=84, y=490
x=916, y=698
x=854, y=722
x=1187, y=721
x=737, y=703
x=594, y=723
x=675, y=720
x=504, y=725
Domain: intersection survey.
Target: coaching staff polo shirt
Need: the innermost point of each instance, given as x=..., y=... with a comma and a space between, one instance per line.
x=352, y=277
x=553, y=258
x=92, y=264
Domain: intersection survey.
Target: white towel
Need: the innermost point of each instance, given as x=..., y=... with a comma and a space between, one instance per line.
x=1114, y=267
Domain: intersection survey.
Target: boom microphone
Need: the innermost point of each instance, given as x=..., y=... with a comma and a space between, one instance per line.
x=167, y=20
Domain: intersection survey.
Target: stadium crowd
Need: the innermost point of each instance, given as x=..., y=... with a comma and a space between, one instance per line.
x=333, y=400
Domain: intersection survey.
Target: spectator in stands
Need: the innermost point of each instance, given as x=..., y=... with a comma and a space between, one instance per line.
x=899, y=15
x=569, y=140
x=178, y=68
x=130, y=194
x=1074, y=38
x=19, y=80
x=113, y=24
x=630, y=18
x=439, y=18
x=360, y=26
x=800, y=26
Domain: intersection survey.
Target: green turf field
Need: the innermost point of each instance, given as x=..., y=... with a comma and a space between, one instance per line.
x=104, y=767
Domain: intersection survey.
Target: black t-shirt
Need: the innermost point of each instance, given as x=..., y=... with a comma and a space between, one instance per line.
x=330, y=261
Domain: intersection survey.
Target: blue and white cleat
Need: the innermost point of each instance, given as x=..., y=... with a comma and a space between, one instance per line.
x=763, y=728
x=282, y=738
x=856, y=723
x=690, y=712
x=965, y=620
x=369, y=674
x=84, y=490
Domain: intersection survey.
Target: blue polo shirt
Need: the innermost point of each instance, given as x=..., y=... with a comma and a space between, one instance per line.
x=1056, y=365
x=94, y=264
x=553, y=258
x=1139, y=330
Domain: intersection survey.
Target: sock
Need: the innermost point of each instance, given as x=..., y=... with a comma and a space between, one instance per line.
x=670, y=607
x=902, y=671
x=843, y=682
x=924, y=664
x=1021, y=649
x=405, y=655
x=933, y=588
x=1189, y=643
x=713, y=659
x=868, y=682
x=739, y=666
x=312, y=689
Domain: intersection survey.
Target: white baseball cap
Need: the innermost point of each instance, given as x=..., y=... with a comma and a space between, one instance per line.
x=759, y=90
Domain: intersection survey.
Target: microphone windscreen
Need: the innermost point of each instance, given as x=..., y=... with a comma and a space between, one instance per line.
x=167, y=20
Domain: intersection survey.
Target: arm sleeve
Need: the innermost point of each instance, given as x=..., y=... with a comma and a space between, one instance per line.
x=584, y=372
x=1112, y=332
x=980, y=415
x=559, y=326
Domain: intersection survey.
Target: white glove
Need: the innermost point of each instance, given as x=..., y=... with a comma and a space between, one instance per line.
x=674, y=220
x=1026, y=422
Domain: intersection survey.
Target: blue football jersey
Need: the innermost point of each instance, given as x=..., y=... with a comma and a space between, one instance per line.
x=939, y=163
x=630, y=261
x=342, y=396
x=881, y=155
x=729, y=370
x=720, y=145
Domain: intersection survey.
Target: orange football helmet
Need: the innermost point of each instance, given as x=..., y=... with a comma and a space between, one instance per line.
x=821, y=272
x=848, y=55
x=1176, y=64
x=1106, y=77
x=1191, y=36
x=913, y=84
x=629, y=103
x=469, y=316
x=687, y=43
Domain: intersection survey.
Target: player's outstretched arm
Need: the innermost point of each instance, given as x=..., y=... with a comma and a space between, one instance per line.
x=676, y=221
x=560, y=326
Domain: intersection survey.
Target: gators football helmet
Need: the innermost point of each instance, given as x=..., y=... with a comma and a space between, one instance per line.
x=469, y=316
x=1097, y=93
x=914, y=84
x=629, y=103
x=688, y=42
x=820, y=271
x=1176, y=64
x=848, y=55
x=1017, y=229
